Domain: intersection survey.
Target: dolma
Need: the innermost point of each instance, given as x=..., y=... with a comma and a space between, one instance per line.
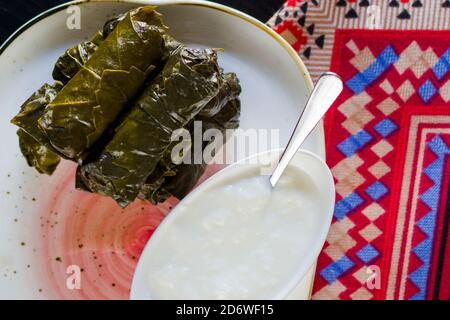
x=45, y=123
x=111, y=24
x=68, y=64
x=33, y=109
x=107, y=82
x=188, y=81
x=187, y=175
x=43, y=159
x=230, y=90
x=33, y=143
x=184, y=177
x=220, y=113
x=171, y=45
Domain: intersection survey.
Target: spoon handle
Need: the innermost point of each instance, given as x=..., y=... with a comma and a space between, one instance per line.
x=325, y=92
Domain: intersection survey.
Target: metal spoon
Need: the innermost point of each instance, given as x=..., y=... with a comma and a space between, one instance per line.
x=325, y=92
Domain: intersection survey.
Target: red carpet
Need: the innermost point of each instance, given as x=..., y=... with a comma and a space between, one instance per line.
x=388, y=143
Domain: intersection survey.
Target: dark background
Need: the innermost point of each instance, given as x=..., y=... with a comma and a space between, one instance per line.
x=14, y=13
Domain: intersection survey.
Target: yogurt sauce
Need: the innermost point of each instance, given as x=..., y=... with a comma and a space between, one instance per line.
x=240, y=239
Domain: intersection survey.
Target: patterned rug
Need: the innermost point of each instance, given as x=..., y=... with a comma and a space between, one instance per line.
x=388, y=142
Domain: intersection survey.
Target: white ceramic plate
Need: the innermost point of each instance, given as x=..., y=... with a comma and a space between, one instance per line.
x=48, y=230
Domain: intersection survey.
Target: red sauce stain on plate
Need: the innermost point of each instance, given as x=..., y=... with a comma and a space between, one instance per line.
x=92, y=233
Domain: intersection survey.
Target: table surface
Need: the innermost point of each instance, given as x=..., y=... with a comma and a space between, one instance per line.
x=15, y=13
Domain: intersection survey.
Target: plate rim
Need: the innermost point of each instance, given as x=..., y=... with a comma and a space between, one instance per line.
x=201, y=3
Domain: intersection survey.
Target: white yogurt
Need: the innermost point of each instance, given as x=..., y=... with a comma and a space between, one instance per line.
x=239, y=239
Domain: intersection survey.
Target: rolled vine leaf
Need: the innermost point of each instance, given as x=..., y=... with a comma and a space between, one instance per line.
x=170, y=179
x=38, y=156
x=189, y=80
x=33, y=143
x=106, y=83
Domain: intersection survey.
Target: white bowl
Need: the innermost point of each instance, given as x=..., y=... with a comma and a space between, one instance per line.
x=313, y=167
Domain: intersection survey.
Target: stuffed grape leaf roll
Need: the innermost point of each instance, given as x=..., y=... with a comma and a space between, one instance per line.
x=73, y=59
x=221, y=113
x=106, y=83
x=68, y=65
x=185, y=176
x=188, y=81
x=43, y=159
x=33, y=143
x=33, y=109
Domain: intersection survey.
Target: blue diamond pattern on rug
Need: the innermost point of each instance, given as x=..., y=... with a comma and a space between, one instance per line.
x=441, y=68
x=363, y=79
x=367, y=254
x=427, y=91
x=376, y=190
x=346, y=205
x=385, y=127
x=353, y=143
x=336, y=269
